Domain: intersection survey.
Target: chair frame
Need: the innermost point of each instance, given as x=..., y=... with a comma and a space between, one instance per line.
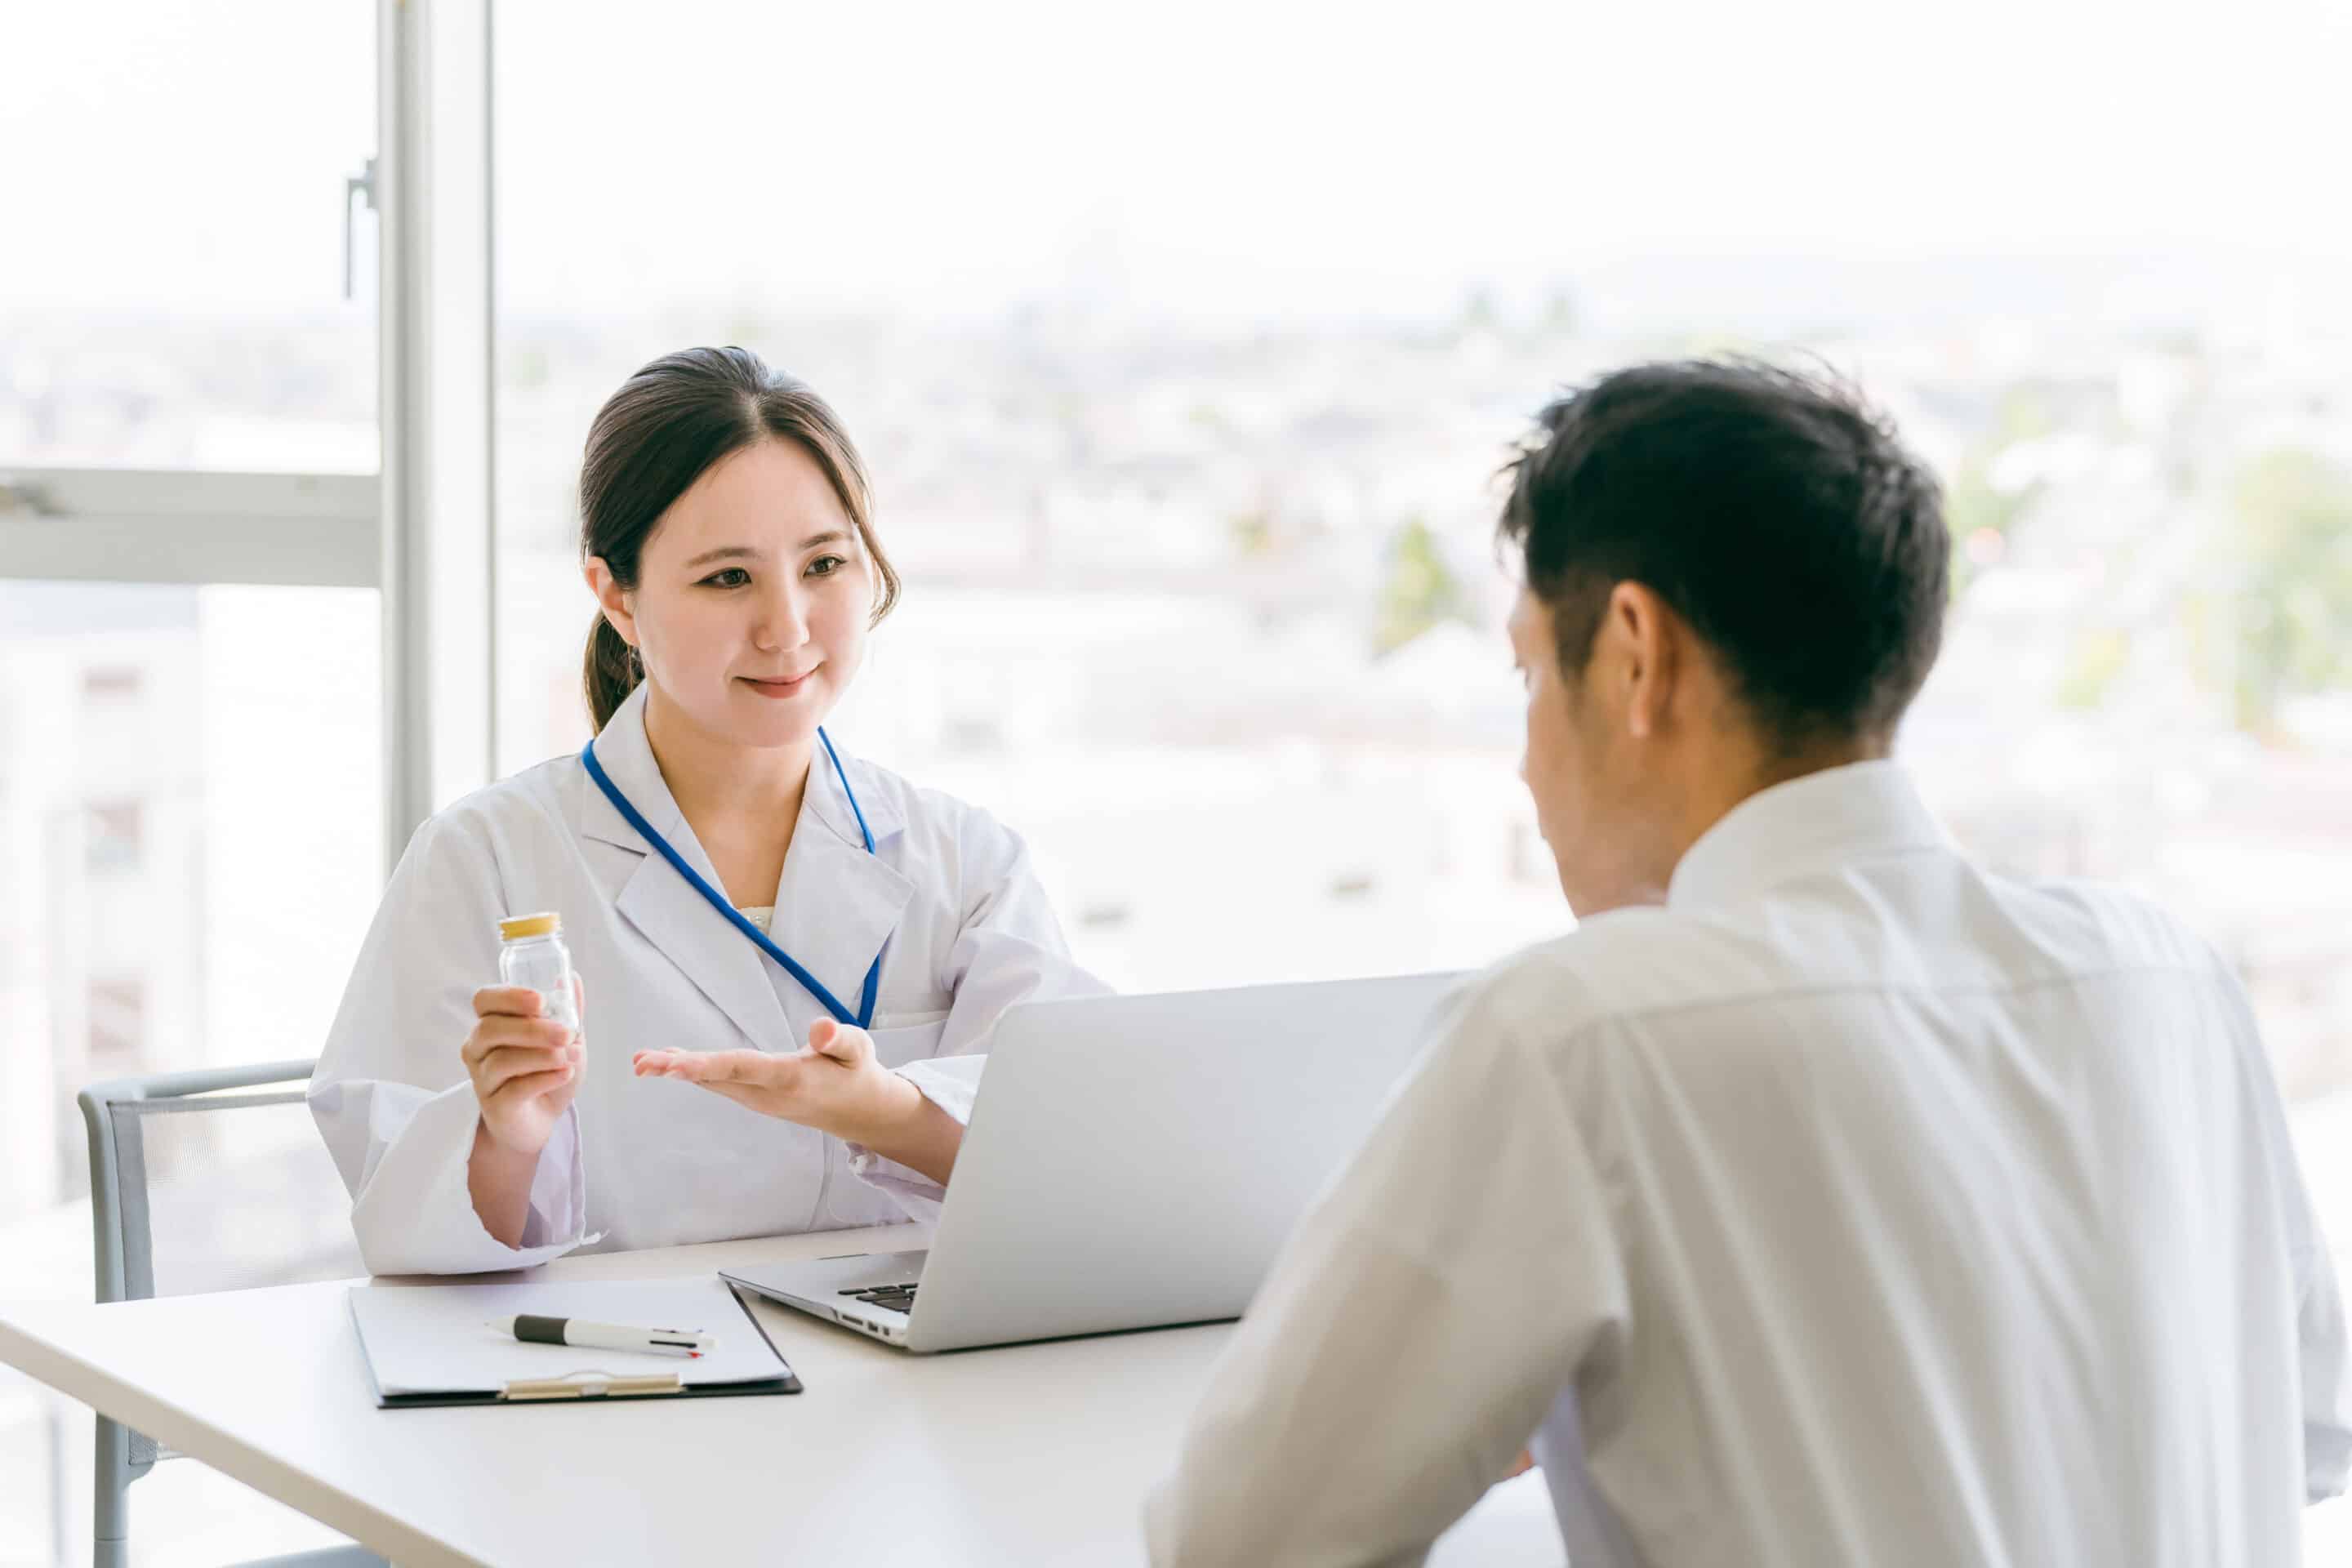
x=125, y=1253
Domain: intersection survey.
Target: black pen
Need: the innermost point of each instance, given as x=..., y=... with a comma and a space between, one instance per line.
x=542, y=1330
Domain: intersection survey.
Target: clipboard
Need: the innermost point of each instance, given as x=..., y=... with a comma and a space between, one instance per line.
x=430, y=1345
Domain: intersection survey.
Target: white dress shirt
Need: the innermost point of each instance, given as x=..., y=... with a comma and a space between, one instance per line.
x=1853, y=1208
x=947, y=899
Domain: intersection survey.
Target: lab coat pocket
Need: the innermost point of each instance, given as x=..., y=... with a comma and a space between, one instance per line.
x=903, y=1038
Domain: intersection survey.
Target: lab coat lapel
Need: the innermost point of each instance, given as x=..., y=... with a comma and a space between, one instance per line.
x=835, y=904
x=663, y=907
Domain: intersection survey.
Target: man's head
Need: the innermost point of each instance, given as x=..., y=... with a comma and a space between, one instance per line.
x=1733, y=574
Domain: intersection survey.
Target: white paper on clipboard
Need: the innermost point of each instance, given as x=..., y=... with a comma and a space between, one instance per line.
x=434, y=1339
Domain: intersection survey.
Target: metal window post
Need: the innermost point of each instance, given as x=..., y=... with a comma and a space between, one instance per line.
x=432, y=200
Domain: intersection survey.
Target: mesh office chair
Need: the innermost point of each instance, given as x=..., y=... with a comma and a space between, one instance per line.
x=264, y=1206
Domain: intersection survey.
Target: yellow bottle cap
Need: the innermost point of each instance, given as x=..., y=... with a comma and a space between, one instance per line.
x=517, y=927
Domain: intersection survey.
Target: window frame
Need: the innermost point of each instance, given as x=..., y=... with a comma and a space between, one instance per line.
x=422, y=530
x=188, y=526
x=437, y=413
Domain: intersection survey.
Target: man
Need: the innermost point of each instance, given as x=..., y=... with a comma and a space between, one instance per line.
x=1822, y=1200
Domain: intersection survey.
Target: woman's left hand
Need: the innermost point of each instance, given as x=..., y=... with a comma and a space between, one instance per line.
x=835, y=1086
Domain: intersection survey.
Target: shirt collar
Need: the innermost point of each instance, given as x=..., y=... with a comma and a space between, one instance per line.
x=1819, y=822
x=627, y=758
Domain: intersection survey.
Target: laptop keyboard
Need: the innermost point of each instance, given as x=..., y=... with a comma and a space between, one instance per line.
x=896, y=1298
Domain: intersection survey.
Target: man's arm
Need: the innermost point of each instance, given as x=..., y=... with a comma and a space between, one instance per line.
x=2323, y=1345
x=1427, y=1312
x=2326, y=1383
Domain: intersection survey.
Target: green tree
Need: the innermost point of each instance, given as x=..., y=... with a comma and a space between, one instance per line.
x=2291, y=551
x=1418, y=589
x=1973, y=507
x=2100, y=655
x=1560, y=314
x=1252, y=532
x=1479, y=312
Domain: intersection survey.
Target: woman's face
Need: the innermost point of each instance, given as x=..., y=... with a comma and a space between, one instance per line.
x=753, y=599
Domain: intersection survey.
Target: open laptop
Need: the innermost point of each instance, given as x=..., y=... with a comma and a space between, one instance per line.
x=1132, y=1163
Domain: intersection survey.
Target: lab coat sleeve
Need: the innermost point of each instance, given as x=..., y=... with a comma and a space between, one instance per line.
x=1426, y=1313
x=1010, y=950
x=390, y=1094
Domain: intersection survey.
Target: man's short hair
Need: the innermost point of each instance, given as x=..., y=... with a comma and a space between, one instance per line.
x=1776, y=512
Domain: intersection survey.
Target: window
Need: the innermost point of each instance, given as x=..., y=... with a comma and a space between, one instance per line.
x=118, y=1026
x=192, y=886
x=116, y=832
x=1182, y=387
x=111, y=683
x=183, y=883
x=194, y=788
x=177, y=296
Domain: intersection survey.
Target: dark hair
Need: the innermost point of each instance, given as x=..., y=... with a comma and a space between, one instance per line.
x=1776, y=512
x=664, y=429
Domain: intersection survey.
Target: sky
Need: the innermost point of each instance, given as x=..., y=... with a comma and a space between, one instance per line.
x=1257, y=158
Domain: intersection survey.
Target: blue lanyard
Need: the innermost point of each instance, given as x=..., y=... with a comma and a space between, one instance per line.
x=864, y=1016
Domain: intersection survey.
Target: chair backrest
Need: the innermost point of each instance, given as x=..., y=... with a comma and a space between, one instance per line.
x=225, y=1166
x=213, y=1180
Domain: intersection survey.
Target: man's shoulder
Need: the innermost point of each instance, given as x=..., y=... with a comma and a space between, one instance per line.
x=1635, y=965
x=1622, y=966
x=2130, y=929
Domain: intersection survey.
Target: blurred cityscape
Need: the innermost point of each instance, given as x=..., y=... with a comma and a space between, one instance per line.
x=1212, y=615
x=1213, y=619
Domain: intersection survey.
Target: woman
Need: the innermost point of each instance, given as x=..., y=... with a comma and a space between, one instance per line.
x=726, y=535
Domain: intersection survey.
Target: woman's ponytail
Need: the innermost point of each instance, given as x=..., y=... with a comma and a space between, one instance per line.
x=610, y=673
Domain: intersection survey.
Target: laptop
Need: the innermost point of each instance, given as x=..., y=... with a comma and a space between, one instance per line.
x=1131, y=1163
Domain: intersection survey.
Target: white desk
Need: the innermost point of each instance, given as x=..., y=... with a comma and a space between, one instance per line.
x=1029, y=1454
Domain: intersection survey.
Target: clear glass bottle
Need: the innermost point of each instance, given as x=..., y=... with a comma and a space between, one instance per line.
x=533, y=955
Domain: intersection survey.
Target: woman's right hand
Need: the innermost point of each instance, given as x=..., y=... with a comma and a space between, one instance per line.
x=525, y=1067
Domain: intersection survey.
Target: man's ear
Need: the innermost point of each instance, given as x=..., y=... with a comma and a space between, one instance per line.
x=611, y=598
x=1644, y=639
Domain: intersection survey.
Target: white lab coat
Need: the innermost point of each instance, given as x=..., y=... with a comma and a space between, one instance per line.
x=641, y=1163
